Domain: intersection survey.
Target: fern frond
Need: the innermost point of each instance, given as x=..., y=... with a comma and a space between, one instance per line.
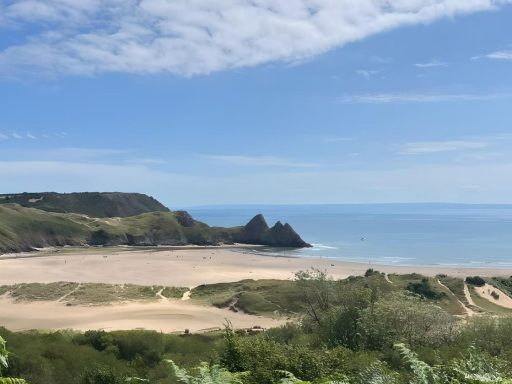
x=8, y=380
x=422, y=373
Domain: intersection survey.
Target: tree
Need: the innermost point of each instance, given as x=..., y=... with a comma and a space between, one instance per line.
x=402, y=318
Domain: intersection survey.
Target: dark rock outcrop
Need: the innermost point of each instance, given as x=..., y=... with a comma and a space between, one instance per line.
x=257, y=231
x=184, y=218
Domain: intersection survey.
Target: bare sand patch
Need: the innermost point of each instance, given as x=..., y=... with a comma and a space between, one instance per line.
x=486, y=291
x=164, y=316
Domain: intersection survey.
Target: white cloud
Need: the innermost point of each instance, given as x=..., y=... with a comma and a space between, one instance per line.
x=3, y=136
x=387, y=98
x=441, y=146
x=31, y=136
x=189, y=37
x=432, y=63
x=17, y=136
x=500, y=55
x=261, y=161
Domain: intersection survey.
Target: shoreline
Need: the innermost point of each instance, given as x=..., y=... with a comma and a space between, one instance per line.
x=256, y=250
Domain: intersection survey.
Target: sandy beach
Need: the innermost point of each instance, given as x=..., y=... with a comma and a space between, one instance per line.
x=186, y=267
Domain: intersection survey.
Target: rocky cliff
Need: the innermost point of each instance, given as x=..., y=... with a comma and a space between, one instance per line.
x=257, y=231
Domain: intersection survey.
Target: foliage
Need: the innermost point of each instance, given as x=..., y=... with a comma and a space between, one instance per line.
x=361, y=330
x=477, y=281
x=399, y=317
x=206, y=374
x=424, y=289
x=4, y=354
x=102, y=375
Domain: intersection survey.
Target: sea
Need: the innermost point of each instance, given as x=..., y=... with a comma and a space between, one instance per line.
x=389, y=234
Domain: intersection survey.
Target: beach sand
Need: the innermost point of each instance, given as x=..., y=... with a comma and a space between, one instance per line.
x=188, y=267
x=183, y=266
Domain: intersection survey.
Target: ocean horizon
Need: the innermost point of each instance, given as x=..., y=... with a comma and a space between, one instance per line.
x=409, y=234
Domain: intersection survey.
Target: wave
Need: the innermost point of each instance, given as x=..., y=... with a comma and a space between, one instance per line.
x=320, y=247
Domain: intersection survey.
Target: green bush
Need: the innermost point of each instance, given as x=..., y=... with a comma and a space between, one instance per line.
x=477, y=281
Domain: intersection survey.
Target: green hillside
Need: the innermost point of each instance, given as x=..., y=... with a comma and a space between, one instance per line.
x=94, y=204
x=23, y=229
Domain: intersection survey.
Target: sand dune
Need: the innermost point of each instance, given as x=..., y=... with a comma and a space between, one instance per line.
x=164, y=316
x=503, y=299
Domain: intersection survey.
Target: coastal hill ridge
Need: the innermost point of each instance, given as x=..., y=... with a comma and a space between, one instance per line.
x=94, y=204
x=25, y=228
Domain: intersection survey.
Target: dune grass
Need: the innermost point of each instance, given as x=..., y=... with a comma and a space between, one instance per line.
x=89, y=293
x=430, y=289
x=251, y=296
x=38, y=291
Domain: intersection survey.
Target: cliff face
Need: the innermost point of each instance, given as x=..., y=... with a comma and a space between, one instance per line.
x=257, y=231
x=94, y=204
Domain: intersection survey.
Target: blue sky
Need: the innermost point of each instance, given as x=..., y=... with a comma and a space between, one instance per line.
x=258, y=102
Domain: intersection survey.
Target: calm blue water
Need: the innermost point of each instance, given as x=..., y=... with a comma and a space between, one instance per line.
x=407, y=234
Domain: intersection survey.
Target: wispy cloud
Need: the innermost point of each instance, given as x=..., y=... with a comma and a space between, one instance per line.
x=189, y=37
x=388, y=98
x=500, y=55
x=334, y=139
x=261, y=161
x=31, y=136
x=367, y=73
x=431, y=64
x=425, y=147
x=147, y=161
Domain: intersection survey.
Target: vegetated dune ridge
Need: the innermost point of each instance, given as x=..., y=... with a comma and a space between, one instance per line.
x=23, y=229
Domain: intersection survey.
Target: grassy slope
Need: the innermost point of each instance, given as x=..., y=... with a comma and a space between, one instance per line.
x=445, y=300
x=263, y=297
x=94, y=204
x=252, y=296
x=23, y=228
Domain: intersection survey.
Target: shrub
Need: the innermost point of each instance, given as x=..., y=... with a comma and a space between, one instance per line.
x=424, y=289
x=477, y=281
